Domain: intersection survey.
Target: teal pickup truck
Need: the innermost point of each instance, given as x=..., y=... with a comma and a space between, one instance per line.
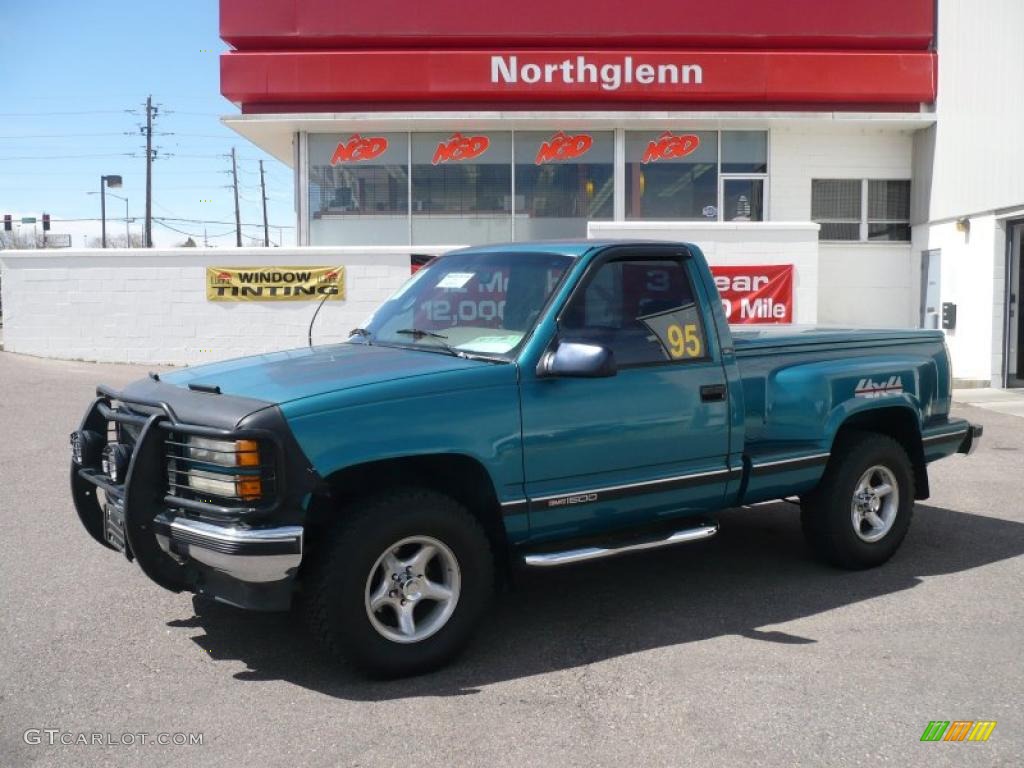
x=529, y=405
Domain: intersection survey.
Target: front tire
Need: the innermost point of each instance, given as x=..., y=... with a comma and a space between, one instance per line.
x=860, y=512
x=401, y=583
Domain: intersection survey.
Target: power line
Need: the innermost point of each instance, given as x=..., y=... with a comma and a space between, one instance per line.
x=60, y=135
x=68, y=157
x=52, y=114
x=192, y=234
x=55, y=220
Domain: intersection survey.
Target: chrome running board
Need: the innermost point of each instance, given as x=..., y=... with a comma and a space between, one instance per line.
x=550, y=559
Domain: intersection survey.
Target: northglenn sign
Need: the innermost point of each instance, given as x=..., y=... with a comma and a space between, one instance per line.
x=325, y=79
x=508, y=70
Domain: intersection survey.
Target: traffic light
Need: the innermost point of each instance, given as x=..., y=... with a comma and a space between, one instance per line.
x=46, y=222
x=7, y=222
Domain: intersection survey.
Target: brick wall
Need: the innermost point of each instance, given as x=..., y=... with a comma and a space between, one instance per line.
x=149, y=306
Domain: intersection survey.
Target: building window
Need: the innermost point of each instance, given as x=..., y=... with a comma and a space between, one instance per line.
x=358, y=187
x=742, y=199
x=744, y=152
x=435, y=188
x=672, y=175
x=861, y=209
x=744, y=172
x=562, y=179
x=889, y=210
x=461, y=187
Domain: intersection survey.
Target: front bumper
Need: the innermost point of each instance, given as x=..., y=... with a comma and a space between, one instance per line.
x=254, y=555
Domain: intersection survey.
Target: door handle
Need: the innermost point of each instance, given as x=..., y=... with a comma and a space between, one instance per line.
x=712, y=393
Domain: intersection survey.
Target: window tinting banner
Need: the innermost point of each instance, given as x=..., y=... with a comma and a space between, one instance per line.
x=756, y=294
x=274, y=283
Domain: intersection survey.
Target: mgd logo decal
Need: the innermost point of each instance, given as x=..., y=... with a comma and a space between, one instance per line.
x=459, y=148
x=668, y=146
x=358, y=149
x=563, y=147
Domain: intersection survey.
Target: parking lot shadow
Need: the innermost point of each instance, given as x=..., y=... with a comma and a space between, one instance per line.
x=755, y=573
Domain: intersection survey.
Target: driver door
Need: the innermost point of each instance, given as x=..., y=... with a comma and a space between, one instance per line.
x=648, y=442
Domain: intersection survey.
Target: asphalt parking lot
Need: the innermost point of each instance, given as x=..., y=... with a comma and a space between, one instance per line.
x=740, y=651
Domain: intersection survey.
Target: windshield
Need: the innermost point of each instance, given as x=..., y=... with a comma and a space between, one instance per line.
x=482, y=303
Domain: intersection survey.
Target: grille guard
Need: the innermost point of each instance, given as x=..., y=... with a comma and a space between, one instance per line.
x=144, y=493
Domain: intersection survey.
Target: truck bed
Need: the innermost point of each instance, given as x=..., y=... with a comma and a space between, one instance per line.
x=800, y=383
x=795, y=337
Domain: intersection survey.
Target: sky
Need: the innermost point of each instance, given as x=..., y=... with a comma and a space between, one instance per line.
x=75, y=76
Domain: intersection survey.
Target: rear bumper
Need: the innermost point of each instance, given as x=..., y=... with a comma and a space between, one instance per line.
x=970, y=442
x=251, y=555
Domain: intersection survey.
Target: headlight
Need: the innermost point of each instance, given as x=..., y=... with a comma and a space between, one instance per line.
x=115, y=461
x=224, y=453
x=86, y=446
x=205, y=465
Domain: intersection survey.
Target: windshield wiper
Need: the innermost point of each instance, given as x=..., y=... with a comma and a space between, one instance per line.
x=361, y=332
x=420, y=333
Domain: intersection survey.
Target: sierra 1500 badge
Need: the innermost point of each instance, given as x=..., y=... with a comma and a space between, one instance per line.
x=871, y=388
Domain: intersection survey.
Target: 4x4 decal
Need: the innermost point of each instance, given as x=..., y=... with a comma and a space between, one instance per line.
x=871, y=388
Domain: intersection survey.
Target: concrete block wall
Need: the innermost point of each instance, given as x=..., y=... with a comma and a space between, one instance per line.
x=872, y=284
x=150, y=306
x=740, y=244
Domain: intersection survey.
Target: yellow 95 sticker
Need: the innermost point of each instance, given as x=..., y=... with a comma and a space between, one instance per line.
x=680, y=332
x=684, y=341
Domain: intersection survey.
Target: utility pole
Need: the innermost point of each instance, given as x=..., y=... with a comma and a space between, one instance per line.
x=103, y=212
x=148, y=235
x=238, y=216
x=263, y=194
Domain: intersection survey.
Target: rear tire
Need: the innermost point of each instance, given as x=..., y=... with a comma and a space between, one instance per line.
x=401, y=583
x=860, y=512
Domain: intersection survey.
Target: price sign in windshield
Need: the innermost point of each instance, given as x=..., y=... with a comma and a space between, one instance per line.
x=680, y=332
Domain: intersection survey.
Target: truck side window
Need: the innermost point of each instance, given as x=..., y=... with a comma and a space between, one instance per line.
x=643, y=310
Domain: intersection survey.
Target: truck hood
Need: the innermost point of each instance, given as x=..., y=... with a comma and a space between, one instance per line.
x=280, y=377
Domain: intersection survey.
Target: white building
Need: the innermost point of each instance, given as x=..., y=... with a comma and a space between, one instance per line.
x=894, y=126
x=873, y=147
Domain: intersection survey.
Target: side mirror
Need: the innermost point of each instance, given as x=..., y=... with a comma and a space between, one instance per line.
x=578, y=360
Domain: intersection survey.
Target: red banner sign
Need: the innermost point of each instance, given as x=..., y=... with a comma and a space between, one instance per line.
x=357, y=148
x=564, y=147
x=756, y=294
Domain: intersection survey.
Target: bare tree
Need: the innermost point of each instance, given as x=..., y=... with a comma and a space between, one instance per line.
x=117, y=241
x=20, y=240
